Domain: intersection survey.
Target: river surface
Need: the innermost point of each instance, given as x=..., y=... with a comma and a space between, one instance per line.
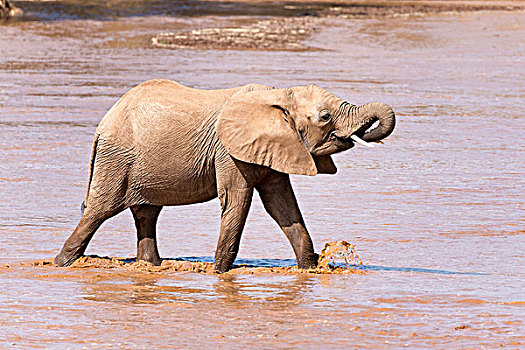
x=436, y=213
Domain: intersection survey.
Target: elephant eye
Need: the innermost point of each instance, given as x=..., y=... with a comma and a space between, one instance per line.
x=325, y=117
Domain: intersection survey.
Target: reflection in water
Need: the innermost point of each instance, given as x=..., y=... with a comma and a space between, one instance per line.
x=127, y=289
x=159, y=288
x=286, y=289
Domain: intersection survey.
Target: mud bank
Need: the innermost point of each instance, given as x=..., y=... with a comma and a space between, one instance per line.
x=176, y=266
x=330, y=262
x=295, y=21
x=53, y=10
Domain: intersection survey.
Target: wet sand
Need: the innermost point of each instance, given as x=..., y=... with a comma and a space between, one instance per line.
x=436, y=213
x=335, y=258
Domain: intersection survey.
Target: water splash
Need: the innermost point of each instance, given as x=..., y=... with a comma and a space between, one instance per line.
x=338, y=250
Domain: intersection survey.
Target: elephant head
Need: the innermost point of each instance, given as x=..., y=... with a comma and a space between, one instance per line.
x=296, y=130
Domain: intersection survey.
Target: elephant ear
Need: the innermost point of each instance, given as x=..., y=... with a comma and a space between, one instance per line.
x=256, y=127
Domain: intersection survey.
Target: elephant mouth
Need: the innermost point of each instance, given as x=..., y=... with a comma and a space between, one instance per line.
x=348, y=141
x=342, y=140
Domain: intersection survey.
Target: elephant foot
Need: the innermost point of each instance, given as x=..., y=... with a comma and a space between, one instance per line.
x=63, y=260
x=147, y=251
x=221, y=269
x=155, y=260
x=309, y=262
x=223, y=265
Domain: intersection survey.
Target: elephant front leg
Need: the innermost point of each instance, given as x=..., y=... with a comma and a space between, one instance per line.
x=235, y=203
x=279, y=201
x=146, y=223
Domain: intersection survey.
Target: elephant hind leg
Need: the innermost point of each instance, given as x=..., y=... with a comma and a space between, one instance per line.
x=107, y=196
x=76, y=244
x=146, y=223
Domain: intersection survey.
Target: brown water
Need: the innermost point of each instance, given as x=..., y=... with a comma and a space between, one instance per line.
x=436, y=213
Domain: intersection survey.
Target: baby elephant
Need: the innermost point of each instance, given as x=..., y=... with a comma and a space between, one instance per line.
x=166, y=144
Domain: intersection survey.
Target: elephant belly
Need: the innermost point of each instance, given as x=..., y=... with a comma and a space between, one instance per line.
x=177, y=196
x=172, y=187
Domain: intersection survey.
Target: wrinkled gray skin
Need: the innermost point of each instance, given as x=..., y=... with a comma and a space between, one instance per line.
x=166, y=144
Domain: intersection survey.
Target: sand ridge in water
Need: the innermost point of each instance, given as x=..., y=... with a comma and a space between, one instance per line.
x=337, y=257
x=286, y=34
x=295, y=24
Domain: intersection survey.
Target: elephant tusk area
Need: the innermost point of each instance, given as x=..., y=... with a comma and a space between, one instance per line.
x=361, y=141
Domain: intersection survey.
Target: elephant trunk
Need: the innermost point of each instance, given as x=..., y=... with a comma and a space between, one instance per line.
x=358, y=122
x=367, y=115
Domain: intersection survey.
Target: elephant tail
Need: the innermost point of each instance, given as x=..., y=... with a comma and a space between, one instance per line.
x=91, y=169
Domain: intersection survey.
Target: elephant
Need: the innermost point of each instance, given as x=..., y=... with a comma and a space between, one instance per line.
x=166, y=144
x=7, y=11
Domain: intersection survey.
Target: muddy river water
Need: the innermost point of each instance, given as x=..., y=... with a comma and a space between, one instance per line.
x=436, y=213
